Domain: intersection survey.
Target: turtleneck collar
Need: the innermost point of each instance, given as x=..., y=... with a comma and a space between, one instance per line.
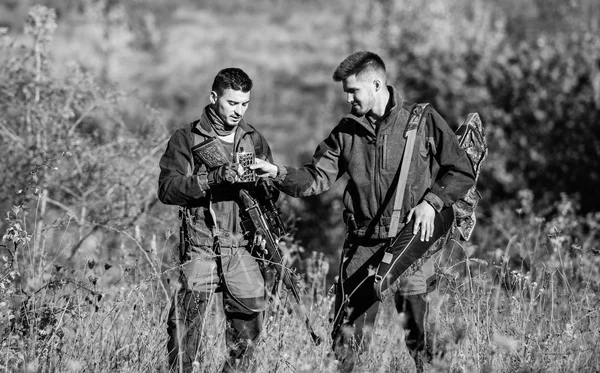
x=220, y=127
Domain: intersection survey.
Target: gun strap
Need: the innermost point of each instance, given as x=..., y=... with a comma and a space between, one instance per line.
x=416, y=117
x=183, y=234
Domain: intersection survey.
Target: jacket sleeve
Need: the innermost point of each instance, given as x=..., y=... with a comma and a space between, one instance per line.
x=176, y=184
x=317, y=176
x=455, y=176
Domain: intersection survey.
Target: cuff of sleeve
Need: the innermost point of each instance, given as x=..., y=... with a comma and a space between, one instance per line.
x=203, y=182
x=434, y=201
x=281, y=173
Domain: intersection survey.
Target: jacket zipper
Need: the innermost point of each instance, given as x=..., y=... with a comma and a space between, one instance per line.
x=377, y=173
x=384, y=156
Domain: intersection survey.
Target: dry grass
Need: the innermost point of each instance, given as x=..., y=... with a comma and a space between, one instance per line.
x=93, y=320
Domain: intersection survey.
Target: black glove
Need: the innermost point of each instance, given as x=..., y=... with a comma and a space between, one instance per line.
x=225, y=174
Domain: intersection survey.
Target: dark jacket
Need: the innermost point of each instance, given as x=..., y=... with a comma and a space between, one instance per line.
x=179, y=185
x=440, y=171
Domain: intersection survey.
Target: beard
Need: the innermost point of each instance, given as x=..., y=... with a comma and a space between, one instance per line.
x=363, y=106
x=357, y=110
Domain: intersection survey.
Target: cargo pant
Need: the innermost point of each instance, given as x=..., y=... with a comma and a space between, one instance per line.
x=410, y=298
x=419, y=319
x=244, y=300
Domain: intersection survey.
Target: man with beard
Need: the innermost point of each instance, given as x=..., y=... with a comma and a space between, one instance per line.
x=214, y=249
x=368, y=146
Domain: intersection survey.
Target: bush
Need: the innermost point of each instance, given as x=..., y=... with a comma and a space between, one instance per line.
x=73, y=166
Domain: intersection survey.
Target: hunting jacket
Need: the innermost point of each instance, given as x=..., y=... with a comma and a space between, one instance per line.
x=185, y=184
x=440, y=171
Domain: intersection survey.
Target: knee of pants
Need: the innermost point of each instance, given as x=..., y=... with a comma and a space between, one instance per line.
x=183, y=326
x=186, y=306
x=414, y=308
x=243, y=326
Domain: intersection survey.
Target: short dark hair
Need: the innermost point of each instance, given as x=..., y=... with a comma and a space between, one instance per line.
x=232, y=78
x=357, y=63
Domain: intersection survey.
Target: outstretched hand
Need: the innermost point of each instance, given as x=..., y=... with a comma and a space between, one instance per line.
x=424, y=215
x=264, y=168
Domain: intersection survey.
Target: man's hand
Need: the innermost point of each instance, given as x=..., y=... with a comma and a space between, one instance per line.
x=264, y=168
x=260, y=245
x=424, y=215
x=226, y=174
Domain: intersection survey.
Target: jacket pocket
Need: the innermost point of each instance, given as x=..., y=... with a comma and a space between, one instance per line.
x=244, y=278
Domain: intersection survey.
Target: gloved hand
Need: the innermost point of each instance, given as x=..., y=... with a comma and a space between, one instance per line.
x=225, y=174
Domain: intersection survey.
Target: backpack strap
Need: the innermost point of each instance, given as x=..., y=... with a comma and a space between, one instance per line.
x=416, y=117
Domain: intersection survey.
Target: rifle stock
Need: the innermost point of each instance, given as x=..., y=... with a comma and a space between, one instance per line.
x=261, y=227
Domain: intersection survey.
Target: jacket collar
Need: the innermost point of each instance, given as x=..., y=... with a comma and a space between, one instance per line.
x=203, y=126
x=394, y=107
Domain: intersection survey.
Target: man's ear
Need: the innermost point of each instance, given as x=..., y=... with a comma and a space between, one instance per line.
x=377, y=84
x=213, y=97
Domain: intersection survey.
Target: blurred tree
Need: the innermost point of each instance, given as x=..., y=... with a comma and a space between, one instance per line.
x=65, y=143
x=544, y=101
x=536, y=96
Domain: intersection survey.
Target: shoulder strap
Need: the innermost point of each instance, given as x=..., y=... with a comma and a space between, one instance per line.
x=416, y=117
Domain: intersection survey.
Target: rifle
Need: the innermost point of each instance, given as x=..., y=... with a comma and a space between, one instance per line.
x=265, y=223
